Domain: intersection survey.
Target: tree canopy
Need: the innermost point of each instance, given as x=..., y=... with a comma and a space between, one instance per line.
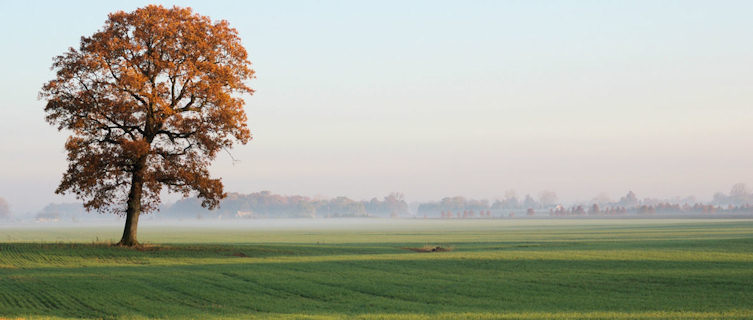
x=150, y=100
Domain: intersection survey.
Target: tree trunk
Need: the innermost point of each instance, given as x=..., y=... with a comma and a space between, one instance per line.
x=134, y=206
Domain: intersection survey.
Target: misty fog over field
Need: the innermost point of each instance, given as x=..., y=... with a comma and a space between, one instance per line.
x=266, y=205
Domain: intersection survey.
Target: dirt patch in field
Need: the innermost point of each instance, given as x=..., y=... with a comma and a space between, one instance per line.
x=151, y=247
x=239, y=254
x=429, y=249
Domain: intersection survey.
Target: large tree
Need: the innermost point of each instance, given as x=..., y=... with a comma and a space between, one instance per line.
x=150, y=100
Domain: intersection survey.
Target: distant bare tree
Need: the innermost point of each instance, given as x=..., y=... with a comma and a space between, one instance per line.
x=528, y=202
x=595, y=209
x=4, y=209
x=548, y=198
x=740, y=194
x=629, y=199
x=510, y=201
x=739, y=189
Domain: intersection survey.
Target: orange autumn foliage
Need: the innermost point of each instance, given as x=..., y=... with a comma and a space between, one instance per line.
x=150, y=100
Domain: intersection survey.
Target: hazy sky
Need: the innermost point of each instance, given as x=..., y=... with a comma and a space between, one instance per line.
x=435, y=98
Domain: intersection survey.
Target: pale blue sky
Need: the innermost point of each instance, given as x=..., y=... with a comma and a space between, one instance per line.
x=436, y=98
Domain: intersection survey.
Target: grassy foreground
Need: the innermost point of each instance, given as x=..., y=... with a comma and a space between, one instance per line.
x=497, y=269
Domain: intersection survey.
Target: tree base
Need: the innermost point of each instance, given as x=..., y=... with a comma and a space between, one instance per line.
x=129, y=244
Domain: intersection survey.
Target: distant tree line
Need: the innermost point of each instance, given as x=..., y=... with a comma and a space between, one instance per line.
x=461, y=207
x=662, y=207
x=70, y=212
x=739, y=201
x=266, y=205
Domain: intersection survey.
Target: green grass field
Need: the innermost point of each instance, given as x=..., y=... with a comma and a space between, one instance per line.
x=497, y=269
